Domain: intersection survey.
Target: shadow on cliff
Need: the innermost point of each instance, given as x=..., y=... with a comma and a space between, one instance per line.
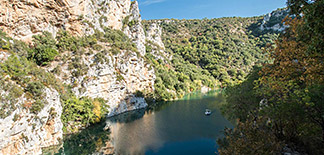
x=128, y=116
x=88, y=141
x=95, y=137
x=131, y=116
x=256, y=31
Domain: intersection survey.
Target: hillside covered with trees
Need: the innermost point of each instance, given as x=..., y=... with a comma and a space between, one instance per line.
x=210, y=52
x=280, y=106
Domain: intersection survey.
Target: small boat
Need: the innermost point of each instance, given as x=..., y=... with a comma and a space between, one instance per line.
x=207, y=112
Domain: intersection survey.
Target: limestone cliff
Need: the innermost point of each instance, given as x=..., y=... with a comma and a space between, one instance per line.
x=272, y=21
x=116, y=79
x=121, y=75
x=23, y=18
x=23, y=132
x=154, y=39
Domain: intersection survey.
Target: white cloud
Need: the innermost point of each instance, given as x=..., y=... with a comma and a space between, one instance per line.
x=149, y=2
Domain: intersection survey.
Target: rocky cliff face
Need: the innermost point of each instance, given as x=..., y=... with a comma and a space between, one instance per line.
x=116, y=79
x=272, y=21
x=23, y=132
x=154, y=39
x=23, y=18
x=120, y=76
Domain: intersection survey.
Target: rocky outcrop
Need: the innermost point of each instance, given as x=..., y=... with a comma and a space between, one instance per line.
x=154, y=34
x=154, y=39
x=23, y=132
x=4, y=55
x=273, y=21
x=122, y=75
x=134, y=28
x=22, y=19
x=115, y=81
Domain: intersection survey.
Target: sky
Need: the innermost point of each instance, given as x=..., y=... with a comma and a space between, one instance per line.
x=198, y=9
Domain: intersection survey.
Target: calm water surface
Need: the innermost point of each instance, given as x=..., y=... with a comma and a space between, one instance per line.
x=177, y=127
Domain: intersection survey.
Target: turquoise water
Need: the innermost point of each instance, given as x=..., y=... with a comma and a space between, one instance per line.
x=177, y=127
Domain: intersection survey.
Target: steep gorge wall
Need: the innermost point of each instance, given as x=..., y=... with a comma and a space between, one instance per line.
x=22, y=19
x=116, y=80
x=26, y=133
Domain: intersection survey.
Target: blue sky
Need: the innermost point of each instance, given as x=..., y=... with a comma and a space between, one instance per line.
x=198, y=9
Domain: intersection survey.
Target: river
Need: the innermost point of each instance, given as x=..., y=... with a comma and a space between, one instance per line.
x=175, y=127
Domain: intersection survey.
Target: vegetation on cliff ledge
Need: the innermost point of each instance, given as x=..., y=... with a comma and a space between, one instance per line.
x=23, y=76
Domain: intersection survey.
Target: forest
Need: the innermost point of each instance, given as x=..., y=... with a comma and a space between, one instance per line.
x=279, y=108
x=216, y=53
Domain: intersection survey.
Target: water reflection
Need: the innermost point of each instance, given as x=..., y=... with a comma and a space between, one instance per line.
x=170, y=127
x=177, y=127
x=127, y=117
x=89, y=141
x=132, y=138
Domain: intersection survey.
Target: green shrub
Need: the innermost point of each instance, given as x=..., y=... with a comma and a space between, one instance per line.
x=88, y=41
x=17, y=68
x=97, y=47
x=65, y=41
x=115, y=51
x=120, y=77
x=77, y=67
x=20, y=48
x=57, y=70
x=102, y=19
x=139, y=94
x=4, y=41
x=101, y=57
x=125, y=21
x=43, y=56
x=148, y=48
x=83, y=111
x=16, y=117
x=4, y=44
x=37, y=106
x=132, y=23
x=35, y=88
x=9, y=99
x=44, y=49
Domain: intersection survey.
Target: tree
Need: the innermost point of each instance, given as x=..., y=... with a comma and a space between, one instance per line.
x=293, y=86
x=44, y=49
x=253, y=136
x=298, y=63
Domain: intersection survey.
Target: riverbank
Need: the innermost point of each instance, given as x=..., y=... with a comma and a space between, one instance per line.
x=167, y=125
